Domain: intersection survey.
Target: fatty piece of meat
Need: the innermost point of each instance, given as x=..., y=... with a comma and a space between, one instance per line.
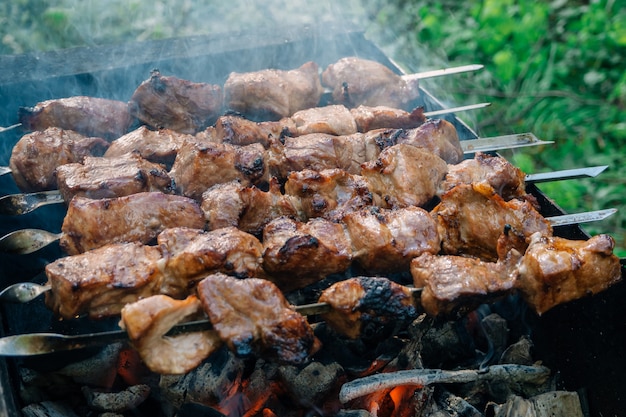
x=386, y=240
x=272, y=94
x=89, y=116
x=472, y=217
x=36, y=156
x=330, y=193
x=436, y=135
x=147, y=322
x=102, y=281
x=505, y=178
x=333, y=120
x=191, y=254
x=200, y=166
x=253, y=317
x=237, y=130
x=99, y=177
x=369, y=118
x=296, y=254
x=140, y=217
x=159, y=146
x=452, y=285
x=356, y=81
x=556, y=270
x=404, y=175
x=368, y=307
x=176, y=104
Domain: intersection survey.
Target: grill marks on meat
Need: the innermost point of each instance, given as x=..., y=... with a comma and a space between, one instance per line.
x=471, y=217
x=100, y=282
x=272, y=94
x=37, y=155
x=90, y=116
x=355, y=81
x=140, y=217
x=253, y=316
x=368, y=307
x=173, y=103
x=98, y=177
x=555, y=270
x=147, y=321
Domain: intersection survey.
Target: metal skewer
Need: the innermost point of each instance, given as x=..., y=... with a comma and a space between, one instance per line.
x=5, y=129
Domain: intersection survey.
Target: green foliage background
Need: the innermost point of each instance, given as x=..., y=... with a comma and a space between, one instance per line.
x=555, y=68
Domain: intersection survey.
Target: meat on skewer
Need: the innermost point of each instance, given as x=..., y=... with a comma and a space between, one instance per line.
x=89, y=116
x=36, y=156
x=252, y=316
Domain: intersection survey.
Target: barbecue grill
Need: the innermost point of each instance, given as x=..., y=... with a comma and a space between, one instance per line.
x=582, y=340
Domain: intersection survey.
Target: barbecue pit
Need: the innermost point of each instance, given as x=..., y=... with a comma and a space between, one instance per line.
x=582, y=340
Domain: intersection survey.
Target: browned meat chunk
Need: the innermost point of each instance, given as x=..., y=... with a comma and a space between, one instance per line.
x=247, y=208
x=438, y=136
x=90, y=116
x=192, y=254
x=173, y=103
x=333, y=120
x=368, y=307
x=37, y=155
x=471, y=218
x=455, y=284
x=102, y=281
x=98, y=177
x=355, y=81
x=90, y=224
x=329, y=193
x=555, y=270
x=382, y=117
x=386, y=240
x=200, y=166
x=506, y=179
x=296, y=254
x=238, y=130
x=147, y=321
x=253, y=317
x=272, y=94
x=404, y=175
x=160, y=146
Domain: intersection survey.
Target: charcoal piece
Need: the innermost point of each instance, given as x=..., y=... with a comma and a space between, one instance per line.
x=310, y=385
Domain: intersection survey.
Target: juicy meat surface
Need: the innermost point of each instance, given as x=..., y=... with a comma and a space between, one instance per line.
x=296, y=254
x=238, y=130
x=272, y=94
x=355, y=81
x=147, y=322
x=471, y=218
x=368, y=307
x=436, y=135
x=193, y=253
x=100, y=282
x=176, y=104
x=555, y=270
x=383, y=117
x=253, y=317
x=160, y=146
x=456, y=284
x=333, y=120
x=90, y=224
x=99, y=177
x=36, y=156
x=505, y=178
x=200, y=166
x=386, y=240
x=404, y=175
x=89, y=116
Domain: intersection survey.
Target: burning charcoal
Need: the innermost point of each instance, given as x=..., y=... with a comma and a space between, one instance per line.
x=125, y=400
x=353, y=413
x=311, y=385
x=453, y=405
x=549, y=404
x=96, y=371
x=48, y=409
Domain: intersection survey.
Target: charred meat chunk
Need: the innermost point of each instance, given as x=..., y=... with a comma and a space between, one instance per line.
x=99, y=177
x=237, y=130
x=176, y=104
x=555, y=270
x=356, y=81
x=100, y=282
x=89, y=116
x=37, y=155
x=272, y=94
x=253, y=317
x=90, y=224
x=436, y=135
x=369, y=118
x=368, y=307
x=147, y=322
